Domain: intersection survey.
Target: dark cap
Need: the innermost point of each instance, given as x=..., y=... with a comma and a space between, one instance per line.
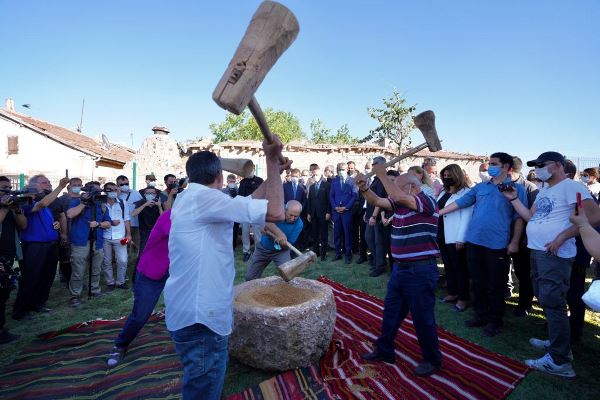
x=150, y=178
x=547, y=156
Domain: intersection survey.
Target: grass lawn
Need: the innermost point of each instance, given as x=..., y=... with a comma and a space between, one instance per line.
x=513, y=341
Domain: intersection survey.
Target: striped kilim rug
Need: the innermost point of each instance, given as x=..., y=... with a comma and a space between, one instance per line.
x=469, y=371
x=72, y=364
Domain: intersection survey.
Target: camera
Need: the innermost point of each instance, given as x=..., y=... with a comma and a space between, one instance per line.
x=17, y=198
x=92, y=194
x=8, y=274
x=506, y=187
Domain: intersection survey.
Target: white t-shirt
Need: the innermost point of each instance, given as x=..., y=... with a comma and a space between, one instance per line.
x=201, y=265
x=554, y=206
x=594, y=188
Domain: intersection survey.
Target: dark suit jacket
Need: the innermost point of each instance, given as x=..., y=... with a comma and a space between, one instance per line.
x=288, y=193
x=249, y=185
x=318, y=203
x=342, y=195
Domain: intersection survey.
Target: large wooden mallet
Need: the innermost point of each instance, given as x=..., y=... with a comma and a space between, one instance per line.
x=239, y=166
x=425, y=121
x=272, y=30
x=290, y=269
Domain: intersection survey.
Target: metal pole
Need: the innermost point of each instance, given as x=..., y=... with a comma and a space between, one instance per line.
x=21, y=181
x=134, y=177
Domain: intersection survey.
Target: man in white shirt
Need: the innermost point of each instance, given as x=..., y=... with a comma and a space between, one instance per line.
x=130, y=196
x=199, y=291
x=550, y=236
x=120, y=229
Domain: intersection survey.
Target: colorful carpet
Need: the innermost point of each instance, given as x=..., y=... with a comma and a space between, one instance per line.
x=469, y=371
x=72, y=364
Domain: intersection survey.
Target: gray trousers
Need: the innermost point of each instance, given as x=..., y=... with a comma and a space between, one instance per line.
x=121, y=256
x=263, y=257
x=551, y=276
x=246, y=236
x=79, y=266
x=377, y=243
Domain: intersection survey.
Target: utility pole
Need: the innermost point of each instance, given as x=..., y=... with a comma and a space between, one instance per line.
x=80, y=127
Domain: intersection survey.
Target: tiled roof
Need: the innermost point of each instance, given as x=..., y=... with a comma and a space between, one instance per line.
x=85, y=144
x=366, y=147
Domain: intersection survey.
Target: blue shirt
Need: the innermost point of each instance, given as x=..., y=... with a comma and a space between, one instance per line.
x=291, y=231
x=39, y=225
x=493, y=214
x=79, y=232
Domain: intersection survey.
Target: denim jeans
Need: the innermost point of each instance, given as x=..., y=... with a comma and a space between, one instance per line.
x=146, y=294
x=203, y=354
x=412, y=288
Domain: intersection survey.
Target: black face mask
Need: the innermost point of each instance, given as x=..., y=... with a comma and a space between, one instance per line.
x=448, y=181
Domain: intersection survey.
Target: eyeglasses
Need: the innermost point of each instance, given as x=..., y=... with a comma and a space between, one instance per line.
x=124, y=184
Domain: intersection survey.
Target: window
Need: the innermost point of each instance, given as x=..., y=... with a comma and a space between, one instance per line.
x=13, y=145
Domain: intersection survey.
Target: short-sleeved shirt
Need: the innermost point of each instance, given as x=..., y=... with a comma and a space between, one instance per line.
x=79, y=233
x=117, y=214
x=493, y=214
x=132, y=197
x=291, y=231
x=148, y=217
x=414, y=233
x=554, y=205
x=39, y=225
x=59, y=205
x=154, y=261
x=201, y=264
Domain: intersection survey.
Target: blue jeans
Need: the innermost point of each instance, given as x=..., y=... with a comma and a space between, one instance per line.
x=147, y=292
x=411, y=288
x=203, y=354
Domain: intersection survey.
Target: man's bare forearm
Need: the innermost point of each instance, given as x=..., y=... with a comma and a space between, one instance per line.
x=274, y=192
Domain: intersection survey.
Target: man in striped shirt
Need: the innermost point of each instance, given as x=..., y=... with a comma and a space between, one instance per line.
x=414, y=275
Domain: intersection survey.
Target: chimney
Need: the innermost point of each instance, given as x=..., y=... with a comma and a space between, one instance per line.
x=10, y=105
x=160, y=130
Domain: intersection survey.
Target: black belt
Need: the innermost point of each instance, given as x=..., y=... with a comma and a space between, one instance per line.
x=408, y=264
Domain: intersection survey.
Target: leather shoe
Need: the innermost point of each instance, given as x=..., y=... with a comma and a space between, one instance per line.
x=361, y=260
x=426, y=368
x=348, y=260
x=43, y=309
x=375, y=272
x=475, y=322
x=377, y=355
x=337, y=258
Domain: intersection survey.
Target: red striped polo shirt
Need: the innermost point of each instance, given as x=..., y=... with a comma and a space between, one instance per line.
x=414, y=233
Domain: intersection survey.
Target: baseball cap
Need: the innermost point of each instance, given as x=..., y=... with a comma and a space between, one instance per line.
x=547, y=156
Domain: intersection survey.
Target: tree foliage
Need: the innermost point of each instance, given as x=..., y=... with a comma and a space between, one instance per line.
x=244, y=126
x=395, y=120
x=320, y=134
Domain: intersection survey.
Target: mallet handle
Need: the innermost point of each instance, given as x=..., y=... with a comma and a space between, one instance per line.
x=289, y=245
x=262, y=123
x=400, y=157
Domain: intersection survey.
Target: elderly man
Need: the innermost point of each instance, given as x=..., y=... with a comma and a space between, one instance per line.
x=199, y=291
x=414, y=275
x=268, y=250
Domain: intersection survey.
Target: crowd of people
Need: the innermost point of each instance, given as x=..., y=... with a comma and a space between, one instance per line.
x=393, y=220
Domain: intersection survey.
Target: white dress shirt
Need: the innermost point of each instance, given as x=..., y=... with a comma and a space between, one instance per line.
x=201, y=265
x=116, y=214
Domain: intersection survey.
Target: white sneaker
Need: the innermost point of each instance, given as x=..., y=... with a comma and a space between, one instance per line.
x=546, y=365
x=545, y=345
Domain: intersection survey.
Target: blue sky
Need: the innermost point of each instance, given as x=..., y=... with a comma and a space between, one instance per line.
x=514, y=76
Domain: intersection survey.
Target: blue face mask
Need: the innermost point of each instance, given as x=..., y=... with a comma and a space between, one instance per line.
x=494, y=171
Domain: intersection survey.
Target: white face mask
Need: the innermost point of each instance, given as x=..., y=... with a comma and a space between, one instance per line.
x=152, y=184
x=231, y=185
x=112, y=195
x=543, y=174
x=343, y=174
x=76, y=189
x=125, y=188
x=367, y=170
x=317, y=177
x=295, y=180
x=484, y=176
x=149, y=197
x=585, y=179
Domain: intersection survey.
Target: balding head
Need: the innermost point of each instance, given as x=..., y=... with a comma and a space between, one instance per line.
x=409, y=183
x=293, y=208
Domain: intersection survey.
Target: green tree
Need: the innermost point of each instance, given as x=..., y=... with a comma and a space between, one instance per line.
x=321, y=134
x=395, y=121
x=342, y=136
x=244, y=127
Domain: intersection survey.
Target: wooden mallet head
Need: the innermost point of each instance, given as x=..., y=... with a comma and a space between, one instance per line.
x=239, y=166
x=272, y=30
x=425, y=121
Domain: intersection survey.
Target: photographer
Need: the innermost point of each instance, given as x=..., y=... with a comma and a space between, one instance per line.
x=167, y=196
x=130, y=196
x=40, y=254
x=116, y=238
x=87, y=213
x=147, y=211
x=12, y=220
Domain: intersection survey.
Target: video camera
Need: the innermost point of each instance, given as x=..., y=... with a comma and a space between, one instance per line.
x=177, y=185
x=506, y=187
x=92, y=194
x=17, y=199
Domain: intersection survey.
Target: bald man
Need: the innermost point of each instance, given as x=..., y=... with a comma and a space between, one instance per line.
x=268, y=249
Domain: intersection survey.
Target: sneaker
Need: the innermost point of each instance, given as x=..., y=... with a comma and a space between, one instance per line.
x=547, y=365
x=377, y=355
x=246, y=257
x=545, y=345
x=115, y=357
x=75, y=302
x=7, y=337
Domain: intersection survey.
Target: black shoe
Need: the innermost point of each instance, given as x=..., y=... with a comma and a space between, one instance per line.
x=246, y=256
x=75, y=302
x=426, y=368
x=123, y=286
x=22, y=316
x=337, y=258
x=475, y=322
x=361, y=260
x=348, y=260
x=490, y=330
x=376, y=355
x=376, y=272
x=7, y=337
x=521, y=312
x=110, y=288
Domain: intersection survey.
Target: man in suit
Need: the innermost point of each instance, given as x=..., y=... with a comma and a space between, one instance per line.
x=342, y=196
x=294, y=190
x=319, y=212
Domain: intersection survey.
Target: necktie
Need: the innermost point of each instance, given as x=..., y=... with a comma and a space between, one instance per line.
x=317, y=187
x=294, y=189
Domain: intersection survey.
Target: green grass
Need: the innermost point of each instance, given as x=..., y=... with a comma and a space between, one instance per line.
x=513, y=341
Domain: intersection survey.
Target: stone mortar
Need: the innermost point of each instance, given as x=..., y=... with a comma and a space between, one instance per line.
x=279, y=338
